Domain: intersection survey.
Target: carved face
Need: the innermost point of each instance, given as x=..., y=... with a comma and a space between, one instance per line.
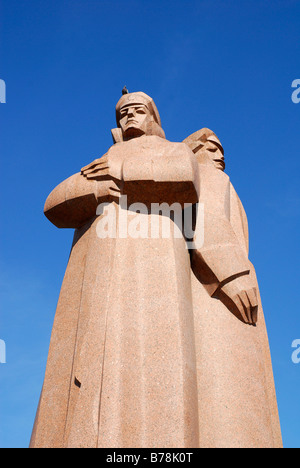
x=134, y=120
x=215, y=154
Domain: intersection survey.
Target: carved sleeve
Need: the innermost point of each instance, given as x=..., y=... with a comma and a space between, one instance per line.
x=220, y=258
x=73, y=202
x=173, y=177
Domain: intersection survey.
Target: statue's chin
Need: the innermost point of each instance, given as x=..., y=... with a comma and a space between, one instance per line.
x=133, y=132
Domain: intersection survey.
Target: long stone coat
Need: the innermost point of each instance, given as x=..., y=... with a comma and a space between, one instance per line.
x=141, y=354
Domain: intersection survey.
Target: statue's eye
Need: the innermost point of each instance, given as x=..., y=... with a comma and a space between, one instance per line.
x=140, y=111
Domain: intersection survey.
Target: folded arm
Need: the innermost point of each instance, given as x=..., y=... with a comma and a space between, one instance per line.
x=169, y=177
x=72, y=203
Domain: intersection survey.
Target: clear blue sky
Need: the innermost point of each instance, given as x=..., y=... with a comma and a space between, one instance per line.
x=227, y=65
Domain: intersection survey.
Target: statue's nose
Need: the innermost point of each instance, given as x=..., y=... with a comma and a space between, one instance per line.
x=131, y=112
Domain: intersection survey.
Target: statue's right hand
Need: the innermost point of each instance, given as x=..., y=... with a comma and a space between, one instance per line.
x=89, y=170
x=107, y=174
x=102, y=169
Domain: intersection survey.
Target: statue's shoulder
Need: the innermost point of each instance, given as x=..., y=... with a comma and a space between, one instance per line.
x=150, y=144
x=176, y=146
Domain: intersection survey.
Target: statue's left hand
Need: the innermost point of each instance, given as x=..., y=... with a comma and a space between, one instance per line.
x=240, y=296
x=103, y=168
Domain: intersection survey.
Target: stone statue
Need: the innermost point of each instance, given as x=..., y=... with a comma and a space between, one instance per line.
x=155, y=344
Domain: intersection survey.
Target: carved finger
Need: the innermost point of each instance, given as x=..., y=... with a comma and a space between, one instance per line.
x=239, y=304
x=101, y=161
x=89, y=166
x=98, y=173
x=254, y=315
x=114, y=192
x=254, y=305
x=247, y=305
x=252, y=296
x=97, y=162
x=99, y=167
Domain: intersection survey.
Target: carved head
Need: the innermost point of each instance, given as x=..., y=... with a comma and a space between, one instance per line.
x=137, y=115
x=207, y=148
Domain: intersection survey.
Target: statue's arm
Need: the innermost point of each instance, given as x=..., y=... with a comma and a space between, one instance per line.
x=222, y=267
x=173, y=177
x=219, y=261
x=73, y=202
x=220, y=258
